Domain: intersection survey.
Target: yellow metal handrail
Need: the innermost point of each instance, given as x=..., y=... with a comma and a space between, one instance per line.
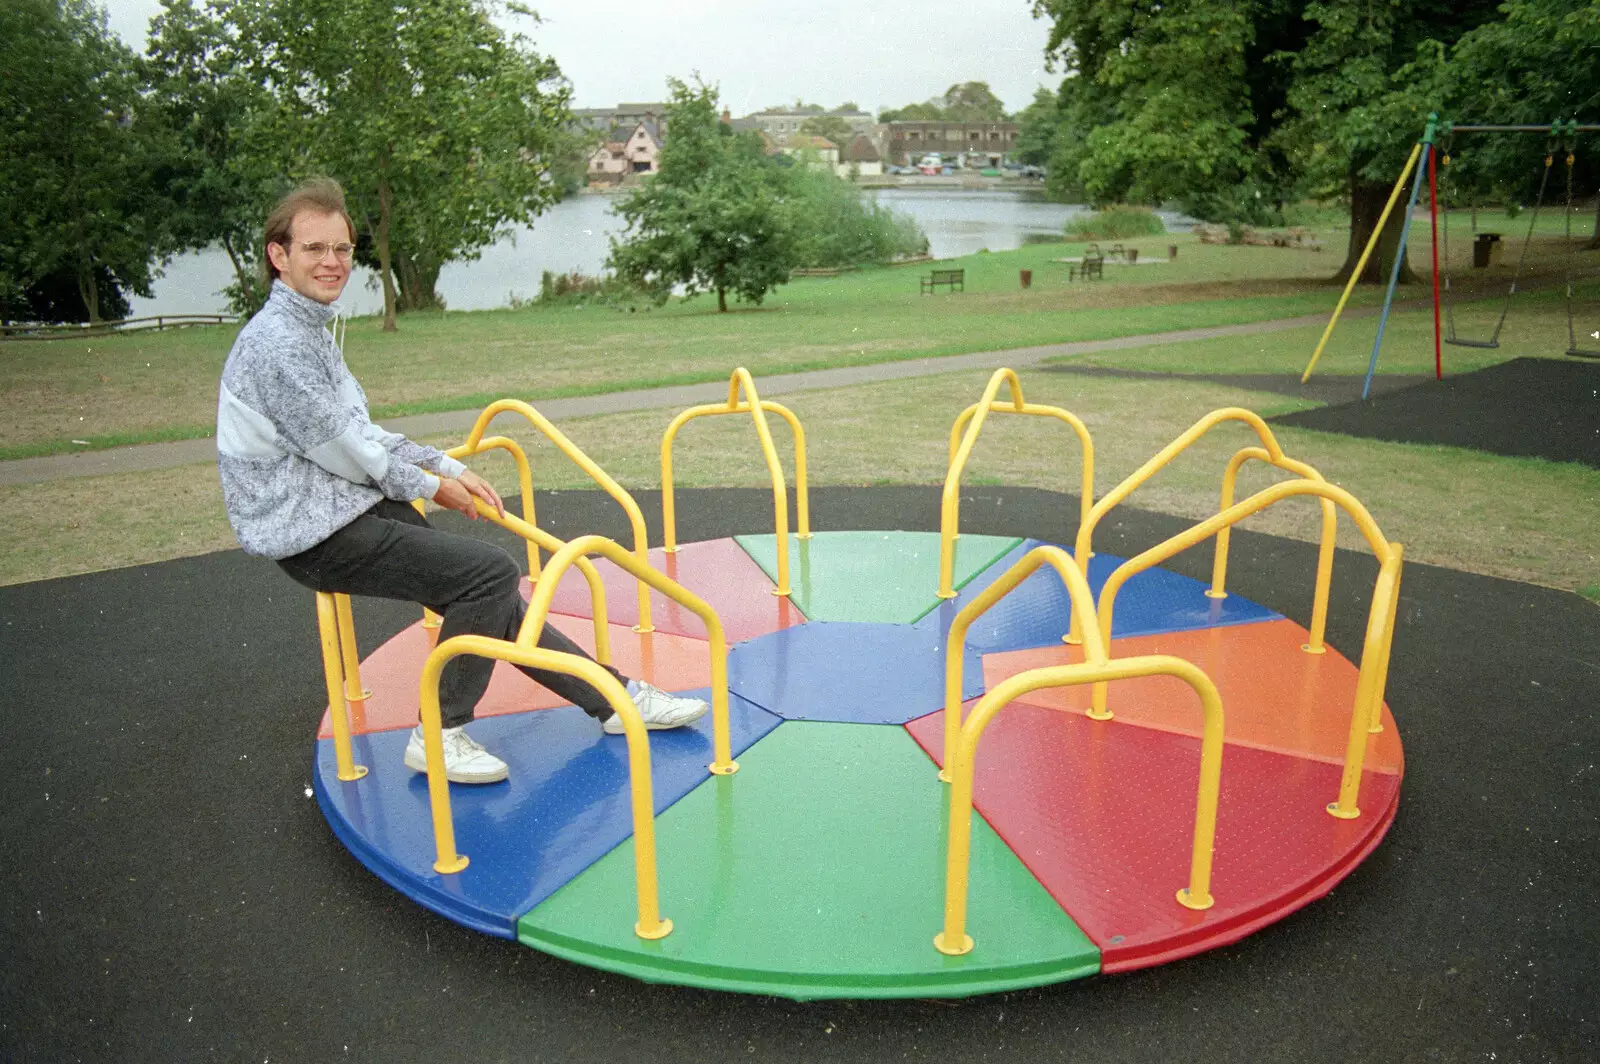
x=641, y=544
x=1330, y=523
x=1367, y=713
x=525, y=651
x=650, y=924
x=962, y=758
x=755, y=406
x=1078, y=593
x=961, y=443
x=339, y=659
x=574, y=553
x=524, y=482
x=333, y=672
x=1083, y=547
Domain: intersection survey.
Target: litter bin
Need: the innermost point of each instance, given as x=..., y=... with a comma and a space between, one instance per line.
x=1172, y=251
x=1131, y=255
x=1483, y=249
x=1027, y=278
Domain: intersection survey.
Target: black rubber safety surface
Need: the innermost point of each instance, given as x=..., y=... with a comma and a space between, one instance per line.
x=170, y=892
x=1527, y=408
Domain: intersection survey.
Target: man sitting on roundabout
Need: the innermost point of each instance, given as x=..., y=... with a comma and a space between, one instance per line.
x=310, y=482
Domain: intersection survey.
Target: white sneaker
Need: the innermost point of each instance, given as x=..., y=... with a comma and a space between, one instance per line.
x=465, y=760
x=658, y=708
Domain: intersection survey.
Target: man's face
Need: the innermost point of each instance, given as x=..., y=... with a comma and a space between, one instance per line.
x=320, y=278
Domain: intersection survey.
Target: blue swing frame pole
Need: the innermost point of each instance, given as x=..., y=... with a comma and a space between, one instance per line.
x=1399, y=256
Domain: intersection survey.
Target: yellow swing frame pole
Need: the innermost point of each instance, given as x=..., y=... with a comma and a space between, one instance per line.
x=1361, y=263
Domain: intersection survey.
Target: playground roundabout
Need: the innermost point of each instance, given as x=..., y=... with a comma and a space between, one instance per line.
x=1201, y=770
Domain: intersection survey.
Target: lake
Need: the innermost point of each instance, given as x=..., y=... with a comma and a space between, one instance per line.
x=573, y=234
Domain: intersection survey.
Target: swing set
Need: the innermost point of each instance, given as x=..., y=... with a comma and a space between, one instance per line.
x=1430, y=152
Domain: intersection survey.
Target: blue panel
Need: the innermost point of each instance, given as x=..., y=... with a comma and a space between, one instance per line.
x=1037, y=613
x=565, y=806
x=848, y=671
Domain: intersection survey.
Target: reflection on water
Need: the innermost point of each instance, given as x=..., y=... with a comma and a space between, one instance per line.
x=573, y=234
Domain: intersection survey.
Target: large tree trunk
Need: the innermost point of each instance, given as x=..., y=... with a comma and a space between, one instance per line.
x=89, y=289
x=1594, y=238
x=419, y=279
x=385, y=260
x=1366, y=204
x=722, y=300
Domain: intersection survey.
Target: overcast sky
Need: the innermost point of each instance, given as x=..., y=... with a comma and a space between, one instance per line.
x=877, y=53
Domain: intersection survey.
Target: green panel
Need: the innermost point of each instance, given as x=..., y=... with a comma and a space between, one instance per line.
x=817, y=871
x=890, y=577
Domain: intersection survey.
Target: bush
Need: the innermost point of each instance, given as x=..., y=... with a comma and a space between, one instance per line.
x=1116, y=223
x=833, y=223
x=579, y=288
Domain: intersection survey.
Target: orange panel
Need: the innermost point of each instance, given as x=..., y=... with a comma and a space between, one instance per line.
x=1274, y=695
x=394, y=672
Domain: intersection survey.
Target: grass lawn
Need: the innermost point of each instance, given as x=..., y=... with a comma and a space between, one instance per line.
x=1520, y=519
x=154, y=386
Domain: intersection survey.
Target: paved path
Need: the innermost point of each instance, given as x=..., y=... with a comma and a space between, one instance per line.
x=150, y=456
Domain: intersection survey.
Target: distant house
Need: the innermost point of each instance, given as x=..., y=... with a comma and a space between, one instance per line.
x=782, y=124
x=820, y=151
x=860, y=158
x=626, y=153
x=978, y=143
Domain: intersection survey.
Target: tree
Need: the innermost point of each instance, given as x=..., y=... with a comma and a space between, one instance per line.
x=712, y=219
x=220, y=191
x=83, y=166
x=968, y=101
x=1231, y=108
x=441, y=127
x=1038, y=123
x=831, y=127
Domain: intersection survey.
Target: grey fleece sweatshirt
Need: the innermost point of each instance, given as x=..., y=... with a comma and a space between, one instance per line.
x=298, y=455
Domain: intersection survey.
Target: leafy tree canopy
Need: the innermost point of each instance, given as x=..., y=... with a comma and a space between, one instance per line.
x=832, y=127
x=83, y=168
x=713, y=218
x=969, y=101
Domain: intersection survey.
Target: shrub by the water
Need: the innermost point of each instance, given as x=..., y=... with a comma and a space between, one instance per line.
x=1116, y=223
x=575, y=288
x=833, y=223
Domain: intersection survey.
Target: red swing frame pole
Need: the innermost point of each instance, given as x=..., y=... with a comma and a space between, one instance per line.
x=1433, y=202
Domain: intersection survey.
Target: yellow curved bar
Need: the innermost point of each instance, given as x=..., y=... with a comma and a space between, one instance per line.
x=669, y=510
x=1084, y=544
x=353, y=689
x=1078, y=594
x=962, y=760
x=951, y=499
x=1369, y=684
x=641, y=538
x=650, y=924
x=1330, y=527
x=333, y=675
x=1361, y=263
x=591, y=575
x=532, y=624
x=1086, y=493
x=524, y=481
x=1379, y=619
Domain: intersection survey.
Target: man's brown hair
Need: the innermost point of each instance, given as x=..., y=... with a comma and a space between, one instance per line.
x=322, y=195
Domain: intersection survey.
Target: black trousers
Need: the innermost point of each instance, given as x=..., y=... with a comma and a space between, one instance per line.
x=392, y=552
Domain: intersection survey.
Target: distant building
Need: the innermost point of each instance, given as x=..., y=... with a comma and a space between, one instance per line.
x=823, y=151
x=605, y=119
x=979, y=143
x=626, y=153
x=780, y=124
x=860, y=158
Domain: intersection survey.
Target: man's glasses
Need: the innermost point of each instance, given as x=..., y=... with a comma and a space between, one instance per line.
x=318, y=250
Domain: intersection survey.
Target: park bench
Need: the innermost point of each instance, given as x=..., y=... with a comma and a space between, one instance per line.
x=1093, y=264
x=955, y=280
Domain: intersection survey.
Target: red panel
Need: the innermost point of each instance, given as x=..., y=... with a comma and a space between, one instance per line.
x=394, y=673
x=1103, y=815
x=1274, y=695
x=717, y=570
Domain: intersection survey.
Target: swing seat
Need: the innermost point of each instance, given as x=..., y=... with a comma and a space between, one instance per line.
x=1488, y=344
